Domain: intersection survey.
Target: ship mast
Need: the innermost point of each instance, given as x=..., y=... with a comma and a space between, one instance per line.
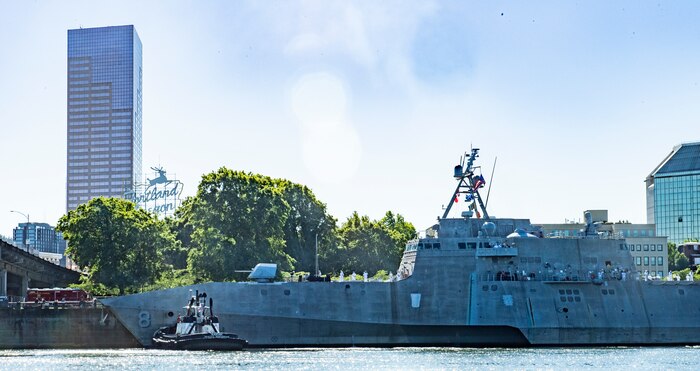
x=469, y=183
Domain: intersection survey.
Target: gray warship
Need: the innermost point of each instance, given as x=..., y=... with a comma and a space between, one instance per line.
x=473, y=280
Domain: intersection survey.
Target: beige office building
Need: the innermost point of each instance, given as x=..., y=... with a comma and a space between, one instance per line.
x=648, y=250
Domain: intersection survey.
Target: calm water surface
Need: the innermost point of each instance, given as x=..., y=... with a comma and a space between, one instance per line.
x=617, y=358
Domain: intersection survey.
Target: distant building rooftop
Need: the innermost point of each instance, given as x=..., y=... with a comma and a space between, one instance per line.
x=684, y=157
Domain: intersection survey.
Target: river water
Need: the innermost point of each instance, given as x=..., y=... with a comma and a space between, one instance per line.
x=611, y=358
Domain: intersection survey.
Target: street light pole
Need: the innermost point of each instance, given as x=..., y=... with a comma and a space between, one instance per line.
x=25, y=229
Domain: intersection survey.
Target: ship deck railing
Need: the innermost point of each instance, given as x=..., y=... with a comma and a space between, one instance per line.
x=560, y=277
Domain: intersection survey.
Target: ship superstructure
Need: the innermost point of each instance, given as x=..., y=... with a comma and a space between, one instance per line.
x=474, y=280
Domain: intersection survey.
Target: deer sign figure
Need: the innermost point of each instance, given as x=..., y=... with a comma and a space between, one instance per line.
x=161, y=176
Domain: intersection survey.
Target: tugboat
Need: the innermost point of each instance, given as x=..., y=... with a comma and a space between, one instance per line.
x=197, y=330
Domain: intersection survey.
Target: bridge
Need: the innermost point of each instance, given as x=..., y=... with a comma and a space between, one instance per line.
x=20, y=270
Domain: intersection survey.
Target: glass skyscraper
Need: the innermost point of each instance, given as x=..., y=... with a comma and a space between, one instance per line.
x=39, y=236
x=104, y=113
x=673, y=194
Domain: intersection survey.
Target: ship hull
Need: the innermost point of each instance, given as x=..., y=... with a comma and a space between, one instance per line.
x=451, y=297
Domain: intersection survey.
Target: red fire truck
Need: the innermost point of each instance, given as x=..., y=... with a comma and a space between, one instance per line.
x=56, y=294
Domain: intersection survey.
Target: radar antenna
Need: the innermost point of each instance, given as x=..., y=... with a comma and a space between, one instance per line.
x=469, y=183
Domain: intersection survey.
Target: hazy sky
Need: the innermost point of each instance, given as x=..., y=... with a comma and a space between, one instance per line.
x=372, y=103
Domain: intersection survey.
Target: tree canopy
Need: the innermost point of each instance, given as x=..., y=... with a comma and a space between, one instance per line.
x=235, y=220
x=371, y=245
x=121, y=246
x=676, y=260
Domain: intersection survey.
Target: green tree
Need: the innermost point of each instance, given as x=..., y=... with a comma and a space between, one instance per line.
x=307, y=221
x=676, y=260
x=400, y=231
x=235, y=221
x=371, y=245
x=121, y=246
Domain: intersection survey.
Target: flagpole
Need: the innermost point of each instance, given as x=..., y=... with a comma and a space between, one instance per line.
x=491, y=180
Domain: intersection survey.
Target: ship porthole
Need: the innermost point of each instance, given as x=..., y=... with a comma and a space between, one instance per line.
x=170, y=314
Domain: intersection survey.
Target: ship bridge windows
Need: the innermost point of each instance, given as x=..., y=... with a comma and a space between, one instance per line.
x=467, y=245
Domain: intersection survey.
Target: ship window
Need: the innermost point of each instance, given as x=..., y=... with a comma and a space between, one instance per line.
x=471, y=245
x=436, y=245
x=462, y=245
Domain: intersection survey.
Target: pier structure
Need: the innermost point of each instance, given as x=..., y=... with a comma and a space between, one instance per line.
x=20, y=270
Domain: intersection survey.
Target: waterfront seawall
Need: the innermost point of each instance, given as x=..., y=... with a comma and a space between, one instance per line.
x=75, y=328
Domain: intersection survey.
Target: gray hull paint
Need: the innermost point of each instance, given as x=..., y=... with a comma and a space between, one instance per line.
x=560, y=300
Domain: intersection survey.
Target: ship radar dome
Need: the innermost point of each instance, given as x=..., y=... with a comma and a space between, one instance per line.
x=521, y=233
x=489, y=228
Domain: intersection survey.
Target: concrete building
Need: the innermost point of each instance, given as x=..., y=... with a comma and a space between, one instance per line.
x=673, y=194
x=647, y=248
x=691, y=250
x=104, y=113
x=40, y=237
